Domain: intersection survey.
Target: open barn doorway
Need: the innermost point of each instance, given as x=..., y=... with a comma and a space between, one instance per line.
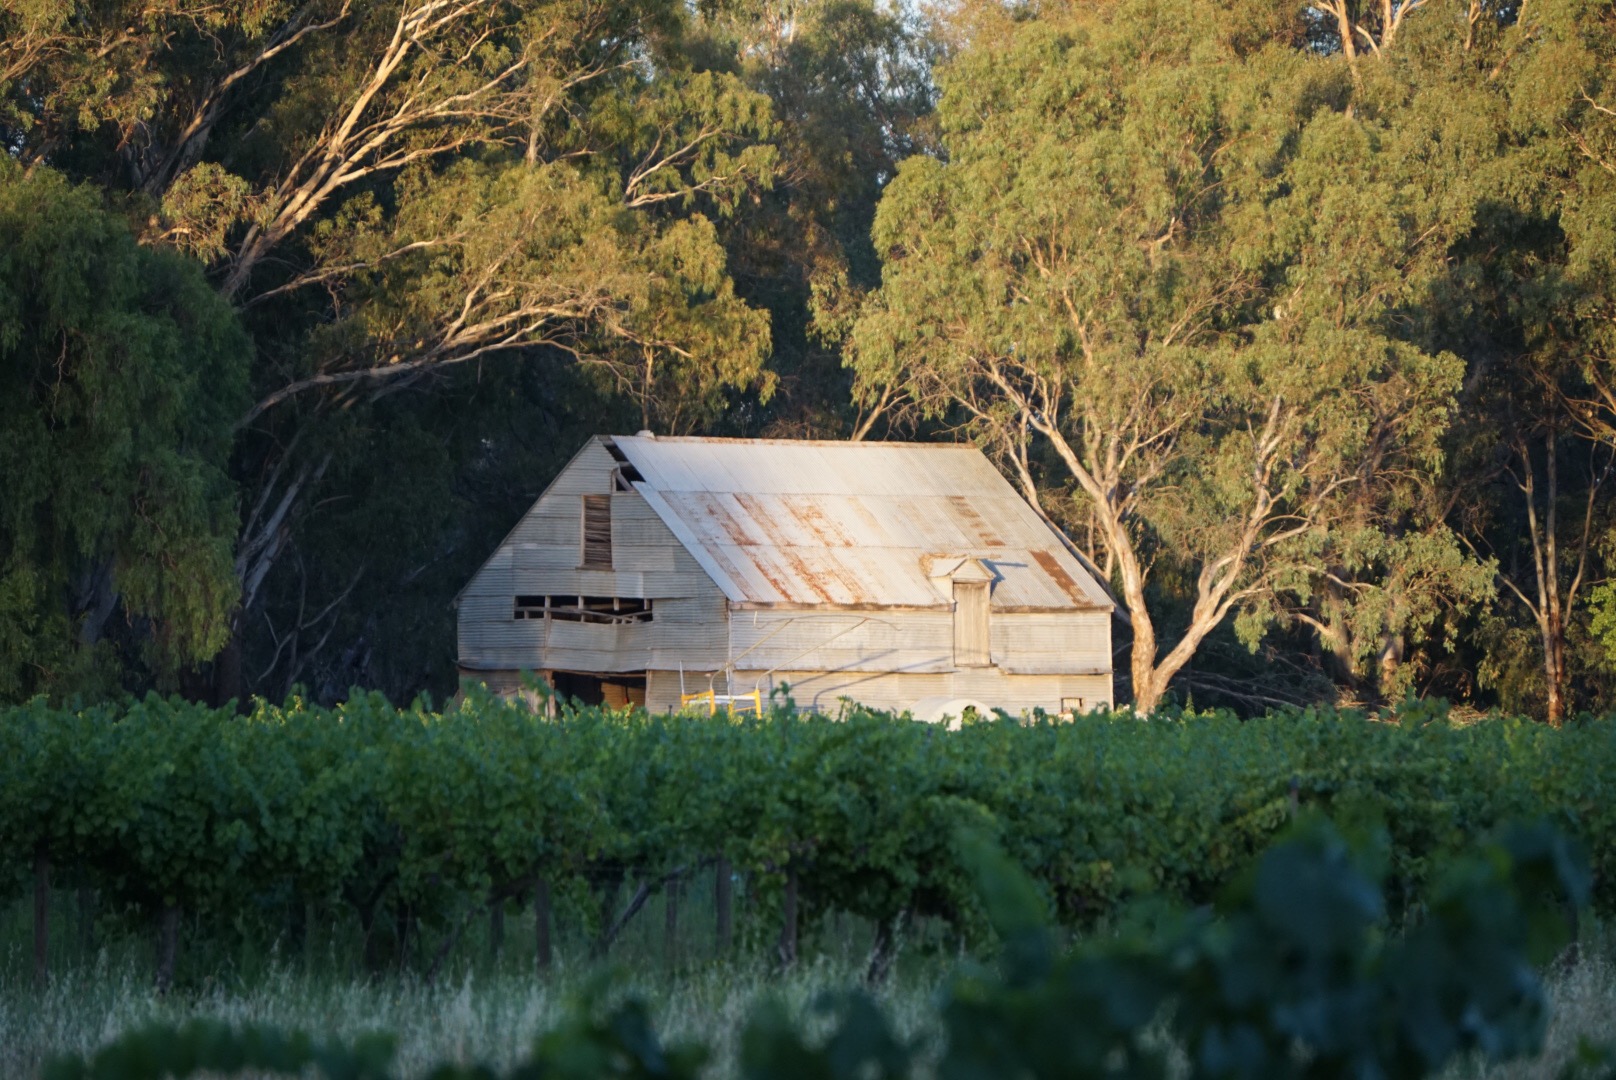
x=614, y=690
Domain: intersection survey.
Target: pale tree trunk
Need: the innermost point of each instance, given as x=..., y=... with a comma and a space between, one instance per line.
x=1346, y=30
x=1391, y=661
x=1219, y=584
x=155, y=168
x=1330, y=624
x=1148, y=681
x=1331, y=627
x=1552, y=620
x=1546, y=574
x=264, y=537
x=1354, y=33
x=1550, y=603
x=1112, y=461
x=1555, y=673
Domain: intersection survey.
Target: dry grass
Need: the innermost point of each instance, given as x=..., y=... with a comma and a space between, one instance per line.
x=1583, y=1000
x=494, y=1017
x=478, y=1017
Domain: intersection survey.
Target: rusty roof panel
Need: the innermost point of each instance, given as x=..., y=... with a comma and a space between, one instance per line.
x=853, y=524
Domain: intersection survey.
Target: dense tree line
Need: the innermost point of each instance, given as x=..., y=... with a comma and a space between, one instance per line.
x=1298, y=318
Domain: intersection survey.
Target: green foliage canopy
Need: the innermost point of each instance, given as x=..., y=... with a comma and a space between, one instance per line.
x=121, y=375
x=366, y=806
x=395, y=198
x=1168, y=268
x=1298, y=318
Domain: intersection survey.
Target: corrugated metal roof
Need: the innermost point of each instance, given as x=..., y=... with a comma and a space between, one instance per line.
x=853, y=524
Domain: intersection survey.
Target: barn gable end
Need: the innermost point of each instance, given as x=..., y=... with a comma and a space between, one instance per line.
x=542, y=557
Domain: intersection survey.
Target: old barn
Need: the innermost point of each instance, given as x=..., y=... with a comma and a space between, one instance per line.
x=697, y=572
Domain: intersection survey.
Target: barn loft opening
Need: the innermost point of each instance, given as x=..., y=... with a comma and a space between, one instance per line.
x=597, y=533
x=612, y=610
x=613, y=691
x=625, y=474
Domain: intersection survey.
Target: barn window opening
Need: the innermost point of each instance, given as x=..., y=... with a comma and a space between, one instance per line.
x=613, y=691
x=597, y=532
x=610, y=610
x=971, y=624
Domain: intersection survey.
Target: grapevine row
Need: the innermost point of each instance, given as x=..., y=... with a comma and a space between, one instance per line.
x=171, y=807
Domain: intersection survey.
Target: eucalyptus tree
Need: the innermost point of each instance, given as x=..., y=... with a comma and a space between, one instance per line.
x=1551, y=67
x=395, y=193
x=121, y=374
x=849, y=85
x=1567, y=87
x=1167, y=263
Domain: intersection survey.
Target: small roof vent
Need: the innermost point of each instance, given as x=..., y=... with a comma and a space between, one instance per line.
x=645, y=433
x=956, y=568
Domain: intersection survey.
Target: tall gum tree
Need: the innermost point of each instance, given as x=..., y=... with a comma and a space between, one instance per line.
x=1553, y=66
x=849, y=82
x=391, y=192
x=1105, y=279
x=1396, y=210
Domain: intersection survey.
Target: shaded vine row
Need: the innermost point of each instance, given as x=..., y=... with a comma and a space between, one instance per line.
x=170, y=808
x=1294, y=977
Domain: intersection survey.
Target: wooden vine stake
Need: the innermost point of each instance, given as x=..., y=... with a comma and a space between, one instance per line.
x=722, y=896
x=670, y=922
x=788, y=931
x=42, y=869
x=541, y=925
x=168, y=946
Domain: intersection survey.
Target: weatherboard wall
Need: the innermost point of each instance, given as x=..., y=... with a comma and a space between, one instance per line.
x=823, y=691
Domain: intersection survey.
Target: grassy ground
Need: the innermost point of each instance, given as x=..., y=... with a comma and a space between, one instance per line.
x=474, y=1017
x=1583, y=1000
x=484, y=1008
x=494, y=1017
